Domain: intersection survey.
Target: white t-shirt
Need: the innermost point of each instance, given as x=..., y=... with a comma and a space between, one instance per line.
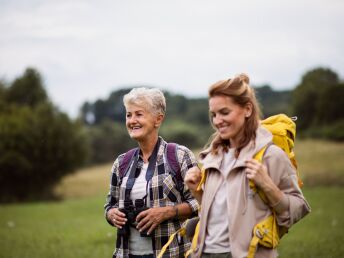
x=217, y=235
x=139, y=245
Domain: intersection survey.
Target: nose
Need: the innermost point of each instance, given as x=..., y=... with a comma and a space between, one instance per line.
x=217, y=120
x=131, y=119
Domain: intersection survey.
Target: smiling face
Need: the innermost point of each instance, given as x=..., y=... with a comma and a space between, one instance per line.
x=228, y=117
x=141, y=124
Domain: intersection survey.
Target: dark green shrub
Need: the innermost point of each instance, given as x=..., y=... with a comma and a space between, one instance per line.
x=107, y=141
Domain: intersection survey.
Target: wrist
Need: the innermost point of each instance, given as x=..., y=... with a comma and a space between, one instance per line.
x=176, y=212
x=267, y=185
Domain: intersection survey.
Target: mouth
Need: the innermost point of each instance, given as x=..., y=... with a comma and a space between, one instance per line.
x=135, y=128
x=222, y=129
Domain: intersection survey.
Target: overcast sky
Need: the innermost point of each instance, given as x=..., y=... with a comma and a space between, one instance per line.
x=85, y=49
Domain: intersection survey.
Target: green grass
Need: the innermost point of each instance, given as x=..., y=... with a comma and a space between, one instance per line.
x=86, y=182
x=76, y=226
x=69, y=229
x=320, y=234
x=320, y=162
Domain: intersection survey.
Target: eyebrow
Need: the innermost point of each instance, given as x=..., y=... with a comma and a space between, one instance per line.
x=140, y=110
x=222, y=109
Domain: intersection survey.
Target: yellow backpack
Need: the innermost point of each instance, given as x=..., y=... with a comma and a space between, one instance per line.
x=283, y=129
x=267, y=232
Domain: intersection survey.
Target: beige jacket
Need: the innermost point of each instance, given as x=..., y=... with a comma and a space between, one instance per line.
x=246, y=207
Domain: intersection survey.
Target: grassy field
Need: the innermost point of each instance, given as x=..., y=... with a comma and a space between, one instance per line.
x=69, y=229
x=76, y=226
x=320, y=162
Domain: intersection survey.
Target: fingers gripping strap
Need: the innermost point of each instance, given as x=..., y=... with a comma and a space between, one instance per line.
x=259, y=157
x=265, y=232
x=203, y=178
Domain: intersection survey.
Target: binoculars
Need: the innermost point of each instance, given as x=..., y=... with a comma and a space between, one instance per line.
x=131, y=211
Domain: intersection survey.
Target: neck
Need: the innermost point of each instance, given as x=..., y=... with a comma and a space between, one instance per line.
x=147, y=147
x=234, y=141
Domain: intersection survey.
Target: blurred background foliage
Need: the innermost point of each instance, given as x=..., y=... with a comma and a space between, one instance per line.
x=40, y=144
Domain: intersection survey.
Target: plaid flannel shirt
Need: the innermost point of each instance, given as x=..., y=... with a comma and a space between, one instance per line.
x=162, y=192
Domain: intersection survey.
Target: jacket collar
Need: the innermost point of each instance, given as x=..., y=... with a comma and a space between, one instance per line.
x=263, y=137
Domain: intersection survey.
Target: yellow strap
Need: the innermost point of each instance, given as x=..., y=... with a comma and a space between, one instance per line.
x=188, y=252
x=253, y=247
x=195, y=237
x=275, y=238
x=182, y=232
x=204, y=176
x=259, y=157
x=274, y=230
x=194, y=240
x=259, y=154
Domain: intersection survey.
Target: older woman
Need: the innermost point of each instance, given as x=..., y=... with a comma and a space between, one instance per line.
x=230, y=210
x=146, y=203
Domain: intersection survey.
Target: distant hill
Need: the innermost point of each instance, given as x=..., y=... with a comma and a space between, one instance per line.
x=273, y=102
x=191, y=110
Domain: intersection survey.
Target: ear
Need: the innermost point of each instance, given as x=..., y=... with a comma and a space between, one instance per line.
x=248, y=110
x=158, y=120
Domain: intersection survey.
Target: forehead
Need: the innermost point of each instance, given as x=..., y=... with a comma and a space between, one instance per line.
x=221, y=102
x=132, y=108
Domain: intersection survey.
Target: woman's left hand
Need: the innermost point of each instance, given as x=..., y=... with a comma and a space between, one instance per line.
x=149, y=219
x=257, y=172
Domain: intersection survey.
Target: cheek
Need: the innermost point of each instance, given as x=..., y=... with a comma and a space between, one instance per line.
x=239, y=119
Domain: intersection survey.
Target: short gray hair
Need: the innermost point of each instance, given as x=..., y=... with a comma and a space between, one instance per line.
x=152, y=97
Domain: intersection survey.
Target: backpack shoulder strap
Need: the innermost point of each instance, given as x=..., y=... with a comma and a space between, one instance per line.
x=125, y=162
x=172, y=159
x=259, y=157
x=203, y=178
x=171, y=154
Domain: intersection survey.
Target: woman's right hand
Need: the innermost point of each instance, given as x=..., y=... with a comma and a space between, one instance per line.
x=193, y=178
x=116, y=217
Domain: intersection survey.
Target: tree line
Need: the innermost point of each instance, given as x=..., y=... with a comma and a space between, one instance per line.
x=40, y=144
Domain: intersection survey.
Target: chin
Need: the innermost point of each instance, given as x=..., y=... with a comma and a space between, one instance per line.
x=225, y=136
x=136, y=137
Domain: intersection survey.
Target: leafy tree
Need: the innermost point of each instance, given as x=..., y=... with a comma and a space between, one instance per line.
x=107, y=141
x=197, y=112
x=186, y=122
x=2, y=95
x=111, y=108
x=116, y=109
x=39, y=144
x=181, y=132
x=331, y=104
x=273, y=102
x=313, y=100
x=27, y=90
x=177, y=105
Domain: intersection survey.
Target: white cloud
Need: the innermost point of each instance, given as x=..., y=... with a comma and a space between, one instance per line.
x=85, y=49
